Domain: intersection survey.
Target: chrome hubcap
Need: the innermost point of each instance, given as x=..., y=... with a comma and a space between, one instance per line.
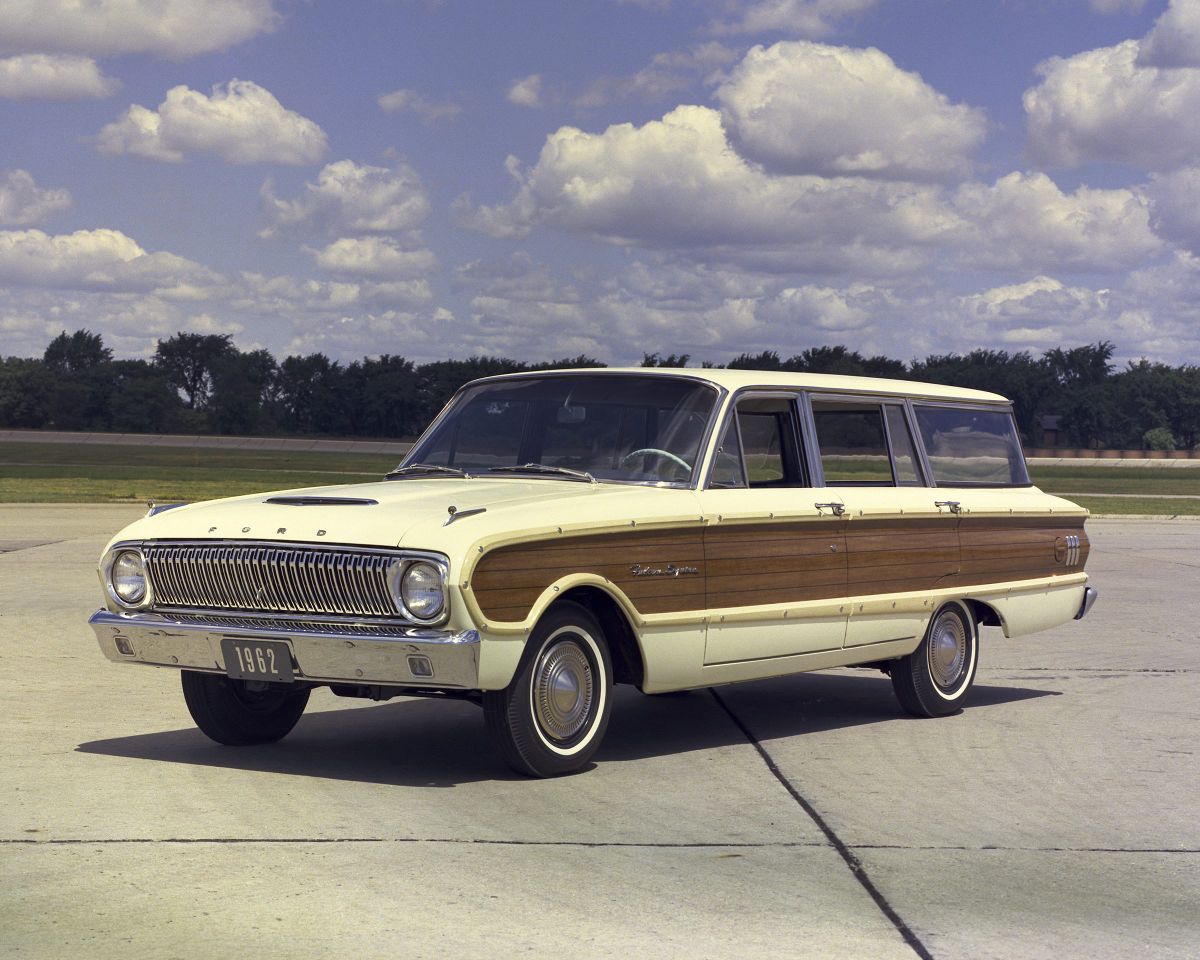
x=563, y=690
x=947, y=651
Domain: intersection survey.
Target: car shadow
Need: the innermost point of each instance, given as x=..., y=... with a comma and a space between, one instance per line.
x=429, y=743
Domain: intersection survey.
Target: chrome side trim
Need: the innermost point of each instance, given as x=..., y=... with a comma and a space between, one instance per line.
x=1089, y=597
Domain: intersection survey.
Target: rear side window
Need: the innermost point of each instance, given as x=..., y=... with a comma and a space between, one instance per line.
x=966, y=447
x=853, y=443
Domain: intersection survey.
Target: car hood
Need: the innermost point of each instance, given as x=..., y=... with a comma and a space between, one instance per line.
x=408, y=512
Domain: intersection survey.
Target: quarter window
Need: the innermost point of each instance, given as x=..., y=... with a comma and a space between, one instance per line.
x=972, y=447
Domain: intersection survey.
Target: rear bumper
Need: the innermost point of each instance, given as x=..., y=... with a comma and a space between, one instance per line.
x=322, y=653
x=1089, y=597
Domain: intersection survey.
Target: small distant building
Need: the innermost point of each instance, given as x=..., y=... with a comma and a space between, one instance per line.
x=1049, y=428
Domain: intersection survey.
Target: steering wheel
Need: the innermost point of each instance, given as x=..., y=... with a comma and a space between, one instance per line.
x=666, y=454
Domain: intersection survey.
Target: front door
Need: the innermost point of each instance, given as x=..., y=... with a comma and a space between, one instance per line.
x=775, y=562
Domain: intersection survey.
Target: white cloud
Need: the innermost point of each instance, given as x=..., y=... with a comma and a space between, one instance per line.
x=526, y=92
x=240, y=122
x=803, y=107
x=1174, y=40
x=176, y=29
x=665, y=74
x=430, y=111
x=92, y=260
x=677, y=184
x=377, y=257
x=1175, y=206
x=1117, y=6
x=1102, y=106
x=38, y=76
x=23, y=203
x=797, y=18
x=350, y=198
x=1025, y=220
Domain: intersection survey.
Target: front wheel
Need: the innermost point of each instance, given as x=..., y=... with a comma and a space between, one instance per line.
x=231, y=712
x=933, y=680
x=551, y=718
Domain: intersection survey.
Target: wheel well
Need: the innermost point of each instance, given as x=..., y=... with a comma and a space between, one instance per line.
x=622, y=644
x=984, y=614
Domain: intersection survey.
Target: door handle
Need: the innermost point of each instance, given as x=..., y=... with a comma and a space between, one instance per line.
x=837, y=509
x=952, y=505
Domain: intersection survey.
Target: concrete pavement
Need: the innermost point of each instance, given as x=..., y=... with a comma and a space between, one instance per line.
x=804, y=817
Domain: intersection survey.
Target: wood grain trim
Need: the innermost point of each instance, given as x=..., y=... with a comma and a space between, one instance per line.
x=746, y=565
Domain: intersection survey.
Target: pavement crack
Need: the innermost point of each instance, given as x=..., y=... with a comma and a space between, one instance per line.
x=844, y=851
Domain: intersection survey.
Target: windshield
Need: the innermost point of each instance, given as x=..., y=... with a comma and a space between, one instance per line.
x=611, y=426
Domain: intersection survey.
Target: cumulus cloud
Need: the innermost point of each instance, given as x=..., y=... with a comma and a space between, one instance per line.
x=1174, y=40
x=803, y=107
x=350, y=198
x=665, y=74
x=1175, y=206
x=93, y=260
x=1025, y=219
x=526, y=92
x=39, y=76
x=240, y=122
x=176, y=29
x=1102, y=106
x=23, y=203
x=677, y=184
x=377, y=257
x=798, y=18
x=430, y=111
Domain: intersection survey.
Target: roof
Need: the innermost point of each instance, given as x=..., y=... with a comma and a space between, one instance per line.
x=733, y=380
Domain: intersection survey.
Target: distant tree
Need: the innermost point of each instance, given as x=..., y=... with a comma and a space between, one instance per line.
x=1030, y=383
x=767, y=360
x=26, y=388
x=440, y=379
x=312, y=395
x=670, y=360
x=1081, y=366
x=383, y=396
x=80, y=351
x=141, y=399
x=190, y=361
x=837, y=359
x=243, y=385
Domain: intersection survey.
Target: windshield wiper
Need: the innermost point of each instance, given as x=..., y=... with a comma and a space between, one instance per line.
x=546, y=468
x=417, y=468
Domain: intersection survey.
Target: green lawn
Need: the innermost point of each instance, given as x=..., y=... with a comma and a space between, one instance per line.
x=94, y=473
x=82, y=473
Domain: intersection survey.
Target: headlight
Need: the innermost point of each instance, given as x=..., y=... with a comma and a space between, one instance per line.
x=127, y=578
x=421, y=590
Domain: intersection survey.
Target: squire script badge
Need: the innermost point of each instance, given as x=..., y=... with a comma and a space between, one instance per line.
x=670, y=570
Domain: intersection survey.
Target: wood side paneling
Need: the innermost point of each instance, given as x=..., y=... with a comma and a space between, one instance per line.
x=507, y=581
x=784, y=562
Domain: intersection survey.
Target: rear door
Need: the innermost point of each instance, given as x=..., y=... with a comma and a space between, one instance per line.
x=902, y=540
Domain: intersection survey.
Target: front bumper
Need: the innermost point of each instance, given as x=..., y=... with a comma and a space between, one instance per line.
x=321, y=652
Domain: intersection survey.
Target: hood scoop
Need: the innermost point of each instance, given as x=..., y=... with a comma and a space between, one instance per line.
x=323, y=501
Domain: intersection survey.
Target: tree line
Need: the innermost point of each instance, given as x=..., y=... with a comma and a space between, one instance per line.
x=202, y=383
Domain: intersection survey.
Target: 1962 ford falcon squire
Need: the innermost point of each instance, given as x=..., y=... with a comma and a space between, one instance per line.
x=552, y=534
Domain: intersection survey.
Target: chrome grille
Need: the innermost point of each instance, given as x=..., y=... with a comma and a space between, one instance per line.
x=271, y=579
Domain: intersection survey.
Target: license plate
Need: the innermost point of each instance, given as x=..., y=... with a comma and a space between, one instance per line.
x=269, y=660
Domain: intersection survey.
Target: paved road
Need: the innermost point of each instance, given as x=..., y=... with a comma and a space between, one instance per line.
x=1055, y=817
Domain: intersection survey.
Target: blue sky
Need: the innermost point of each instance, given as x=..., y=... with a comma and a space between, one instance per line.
x=438, y=178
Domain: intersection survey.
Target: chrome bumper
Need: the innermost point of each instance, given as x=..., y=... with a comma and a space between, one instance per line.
x=1089, y=597
x=323, y=653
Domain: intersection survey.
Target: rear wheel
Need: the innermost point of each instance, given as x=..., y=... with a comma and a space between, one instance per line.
x=237, y=714
x=934, y=679
x=551, y=718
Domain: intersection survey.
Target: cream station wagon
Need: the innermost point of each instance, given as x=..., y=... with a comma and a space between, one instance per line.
x=552, y=534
